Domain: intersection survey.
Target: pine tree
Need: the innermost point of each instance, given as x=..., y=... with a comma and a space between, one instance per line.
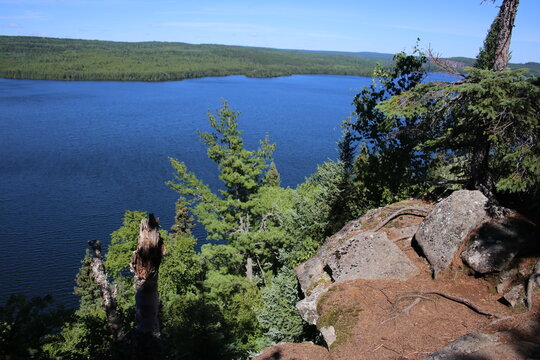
x=183, y=222
x=272, y=177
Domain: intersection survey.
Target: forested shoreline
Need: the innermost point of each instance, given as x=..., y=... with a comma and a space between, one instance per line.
x=69, y=59
x=405, y=139
x=38, y=58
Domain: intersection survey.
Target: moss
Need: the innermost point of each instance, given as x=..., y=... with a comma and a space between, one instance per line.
x=322, y=280
x=342, y=319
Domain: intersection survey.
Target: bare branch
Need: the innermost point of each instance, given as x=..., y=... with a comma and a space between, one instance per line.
x=446, y=65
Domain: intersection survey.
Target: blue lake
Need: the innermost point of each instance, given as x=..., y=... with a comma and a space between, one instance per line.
x=75, y=155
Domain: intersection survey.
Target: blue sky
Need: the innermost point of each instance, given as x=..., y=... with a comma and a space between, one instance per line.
x=451, y=28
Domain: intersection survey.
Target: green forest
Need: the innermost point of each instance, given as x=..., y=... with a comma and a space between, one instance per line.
x=67, y=59
x=237, y=295
x=24, y=57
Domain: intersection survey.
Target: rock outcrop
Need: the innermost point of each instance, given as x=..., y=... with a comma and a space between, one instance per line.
x=357, y=252
x=375, y=294
x=447, y=227
x=369, y=256
x=496, y=243
x=307, y=307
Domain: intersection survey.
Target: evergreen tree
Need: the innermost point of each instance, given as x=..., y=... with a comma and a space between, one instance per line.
x=272, y=177
x=490, y=118
x=387, y=166
x=486, y=57
x=183, y=222
x=227, y=214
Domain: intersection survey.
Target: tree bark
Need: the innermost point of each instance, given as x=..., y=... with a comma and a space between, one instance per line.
x=145, y=267
x=480, y=162
x=507, y=15
x=108, y=294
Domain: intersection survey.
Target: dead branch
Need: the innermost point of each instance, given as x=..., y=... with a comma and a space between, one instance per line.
x=443, y=64
x=403, y=211
x=108, y=294
x=460, y=300
x=260, y=269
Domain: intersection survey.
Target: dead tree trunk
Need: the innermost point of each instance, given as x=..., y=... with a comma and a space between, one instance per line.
x=507, y=15
x=145, y=267
x=108, y=294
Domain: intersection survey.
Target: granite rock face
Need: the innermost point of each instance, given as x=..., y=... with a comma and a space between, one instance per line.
x=312, y=271
x=369, y=256
x=496, y=244
x=445, y=229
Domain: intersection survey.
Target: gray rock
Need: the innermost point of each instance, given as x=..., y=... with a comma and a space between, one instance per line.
x=312, y=271
x=307, y=307
x=369, y=256
x=515, y=295
x=444, y=230
x=329, y=334
x=478, y=346
x=495, y=244
x=465, y=345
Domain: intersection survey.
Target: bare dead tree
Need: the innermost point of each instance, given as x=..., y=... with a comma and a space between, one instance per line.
x=108, y=294
x=145, y=267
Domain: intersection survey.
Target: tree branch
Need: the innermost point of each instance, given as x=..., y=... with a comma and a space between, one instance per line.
x=108, y=294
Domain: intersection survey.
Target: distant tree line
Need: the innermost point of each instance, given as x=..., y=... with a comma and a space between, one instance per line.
x=68, y=59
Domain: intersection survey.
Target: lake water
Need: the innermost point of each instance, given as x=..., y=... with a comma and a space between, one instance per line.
x=75, y=155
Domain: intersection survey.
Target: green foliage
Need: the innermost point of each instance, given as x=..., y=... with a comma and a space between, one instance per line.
x=278, y=314
x=499, y=108
x=85, y=334
x=229, y=215
x=378, y=150
x=183, y=222
x=69, y=59
x=26, y=326
x=486, y=57
x=123, y=243
x=272, y=177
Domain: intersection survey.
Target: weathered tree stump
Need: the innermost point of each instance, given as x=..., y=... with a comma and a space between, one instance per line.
x=145, y=267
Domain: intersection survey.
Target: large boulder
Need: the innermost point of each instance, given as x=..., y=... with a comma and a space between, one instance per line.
x=445, y=229
x=463, y=347
x=495, y=244
x=357, y=253
x=311, y=272
x=369, y=256
x=487, y=346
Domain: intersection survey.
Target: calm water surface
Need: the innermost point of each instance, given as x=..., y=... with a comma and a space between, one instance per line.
x=75, y=155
